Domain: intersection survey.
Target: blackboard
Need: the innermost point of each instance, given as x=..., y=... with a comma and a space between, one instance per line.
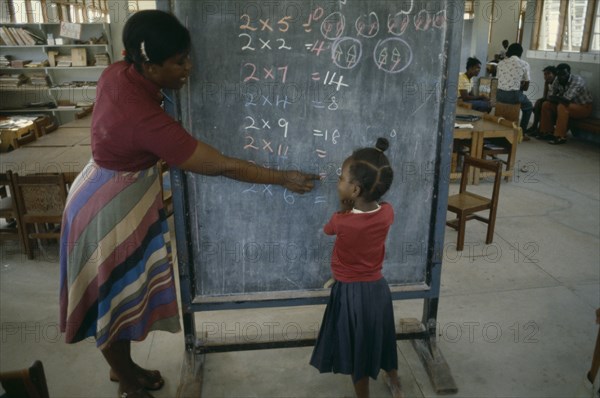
x=301, y=84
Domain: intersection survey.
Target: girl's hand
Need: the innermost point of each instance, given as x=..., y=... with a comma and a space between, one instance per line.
x=299, y=182
x=346, y=205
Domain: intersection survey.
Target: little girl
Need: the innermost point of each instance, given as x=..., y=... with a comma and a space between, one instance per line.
x=357, y=335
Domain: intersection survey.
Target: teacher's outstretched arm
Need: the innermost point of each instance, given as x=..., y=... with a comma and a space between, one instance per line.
x=207, y=160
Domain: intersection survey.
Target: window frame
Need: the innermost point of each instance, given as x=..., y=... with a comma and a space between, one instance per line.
x=588, y=30
x=76, y=11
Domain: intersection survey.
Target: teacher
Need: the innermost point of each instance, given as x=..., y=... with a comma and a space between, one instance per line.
x=116, y=279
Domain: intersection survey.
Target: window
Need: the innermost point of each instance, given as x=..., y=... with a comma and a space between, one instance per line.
x=567, y=25
x=596, y=32
x=34, y=11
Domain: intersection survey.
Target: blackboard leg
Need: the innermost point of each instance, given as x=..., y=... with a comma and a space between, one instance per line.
x=192, y=372
x=429, y=353
x=436, y=366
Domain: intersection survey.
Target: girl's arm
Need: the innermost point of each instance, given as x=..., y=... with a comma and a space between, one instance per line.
x=208, y=161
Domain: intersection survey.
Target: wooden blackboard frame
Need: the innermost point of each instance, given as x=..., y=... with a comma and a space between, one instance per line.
x=422, y=335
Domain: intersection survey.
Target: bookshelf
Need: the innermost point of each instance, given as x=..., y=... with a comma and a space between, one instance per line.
x=42, y=71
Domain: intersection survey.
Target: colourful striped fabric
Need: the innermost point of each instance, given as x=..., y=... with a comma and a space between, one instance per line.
x=116, y=280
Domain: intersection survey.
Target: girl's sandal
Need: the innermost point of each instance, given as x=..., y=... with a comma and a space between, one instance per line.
x=153, y=382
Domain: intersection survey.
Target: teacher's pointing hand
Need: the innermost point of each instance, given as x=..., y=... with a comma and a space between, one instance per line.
x=299, y=182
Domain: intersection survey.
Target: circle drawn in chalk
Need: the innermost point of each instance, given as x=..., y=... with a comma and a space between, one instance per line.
x=333, y=26
x=346, y=52
x=392, y=55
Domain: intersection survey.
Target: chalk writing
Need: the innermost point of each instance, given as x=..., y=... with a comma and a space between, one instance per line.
x=367, y=25
x=346, y=52
x=392, y=55
x=333, y=26
x=269, y=73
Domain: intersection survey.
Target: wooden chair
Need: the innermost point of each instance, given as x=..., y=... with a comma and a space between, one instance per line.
x=25, y=383
x=8, y=210
x=500, y=146
x=465, y=204
x=510, y=112
x=41, y=200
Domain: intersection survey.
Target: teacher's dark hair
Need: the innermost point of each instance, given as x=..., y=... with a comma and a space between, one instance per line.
x=153, y=36
x=371, y=170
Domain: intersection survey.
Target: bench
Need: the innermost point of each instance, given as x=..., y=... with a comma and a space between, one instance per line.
x=588, y=128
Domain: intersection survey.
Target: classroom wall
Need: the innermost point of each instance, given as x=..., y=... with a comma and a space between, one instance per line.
x=504, y=19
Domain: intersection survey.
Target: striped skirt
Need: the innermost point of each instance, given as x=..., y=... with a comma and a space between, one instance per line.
x=116, y=279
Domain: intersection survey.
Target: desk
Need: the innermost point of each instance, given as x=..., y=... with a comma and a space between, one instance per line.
x=481, y=130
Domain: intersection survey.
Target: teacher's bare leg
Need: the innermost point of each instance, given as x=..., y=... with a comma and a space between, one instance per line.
x=118, y=356
x=149, y=379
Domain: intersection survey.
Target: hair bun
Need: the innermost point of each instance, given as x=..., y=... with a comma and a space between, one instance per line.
x=382, y=144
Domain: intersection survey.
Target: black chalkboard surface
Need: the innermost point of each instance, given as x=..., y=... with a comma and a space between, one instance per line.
x=300, y=85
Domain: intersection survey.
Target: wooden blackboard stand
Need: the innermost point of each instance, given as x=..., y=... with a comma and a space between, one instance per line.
x=391, y=71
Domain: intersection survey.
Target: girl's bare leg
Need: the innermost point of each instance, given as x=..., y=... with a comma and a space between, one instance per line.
x=361, y=388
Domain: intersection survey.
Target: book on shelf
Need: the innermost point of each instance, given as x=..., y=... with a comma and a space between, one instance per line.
x=12, y=81
x=78, y=57
x=19, y=63
x=5, y=61
x=14, y=36
x=62, y=60
x=38, y=80
x=37, y=64
x=102, y=59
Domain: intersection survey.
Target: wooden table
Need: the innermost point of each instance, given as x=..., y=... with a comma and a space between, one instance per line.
x=481, y=130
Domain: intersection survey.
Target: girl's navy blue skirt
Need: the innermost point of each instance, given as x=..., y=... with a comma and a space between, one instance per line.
x=357, y=335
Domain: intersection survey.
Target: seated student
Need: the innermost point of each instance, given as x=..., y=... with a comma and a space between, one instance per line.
x=479, y=102
x=513, y=79
x=569, y=98
x=549, y=76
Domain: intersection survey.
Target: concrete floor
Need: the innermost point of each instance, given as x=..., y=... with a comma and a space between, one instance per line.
x=516, y=318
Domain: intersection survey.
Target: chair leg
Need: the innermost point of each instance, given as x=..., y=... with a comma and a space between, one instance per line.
x=27, y=242
x=490, y=231
x=460, y=244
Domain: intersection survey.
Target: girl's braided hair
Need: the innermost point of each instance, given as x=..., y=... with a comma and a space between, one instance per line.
x=371, y=170
x=153, y=36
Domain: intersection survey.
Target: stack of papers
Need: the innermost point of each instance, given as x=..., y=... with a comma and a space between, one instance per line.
x=463, y=126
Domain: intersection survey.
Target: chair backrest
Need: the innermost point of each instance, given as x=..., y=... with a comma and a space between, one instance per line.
x=40, y=197
x=26, y=383
x=511, y=112
x=489, y=165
